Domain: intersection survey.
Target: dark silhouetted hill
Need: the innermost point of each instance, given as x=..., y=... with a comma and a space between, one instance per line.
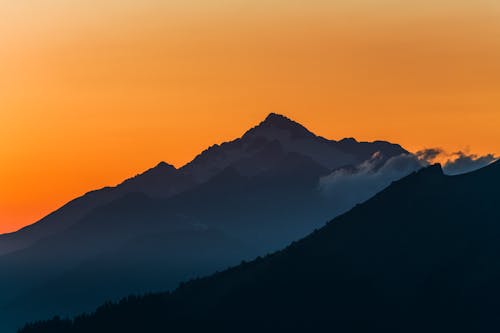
x=421, y=256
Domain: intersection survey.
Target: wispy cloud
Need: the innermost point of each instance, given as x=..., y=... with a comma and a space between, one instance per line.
x=455, y=163
x=348, y=187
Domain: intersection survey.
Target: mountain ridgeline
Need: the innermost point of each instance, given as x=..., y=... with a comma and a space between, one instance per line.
x=234, y=201
x=261, y=149
x=420, y=256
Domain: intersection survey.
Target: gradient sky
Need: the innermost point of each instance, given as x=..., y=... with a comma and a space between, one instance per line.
x=92, y=92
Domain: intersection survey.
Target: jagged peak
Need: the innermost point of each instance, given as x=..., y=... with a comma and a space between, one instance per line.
x=276, y=117
x=164, y=165
x=433, y=169
x=275, y=121
x=348, y=140
x=280, y=121
x=160, y=168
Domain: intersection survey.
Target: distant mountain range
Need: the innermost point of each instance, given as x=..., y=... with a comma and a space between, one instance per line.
x=259, y=150
x=420, y=256
x=234, y=201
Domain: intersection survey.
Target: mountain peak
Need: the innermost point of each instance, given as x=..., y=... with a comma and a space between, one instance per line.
x=278, y=134
x=428, y=174
x=273, y=117
x=164, y=165
x=275, y=123
x=435, y=169
x=280, y=121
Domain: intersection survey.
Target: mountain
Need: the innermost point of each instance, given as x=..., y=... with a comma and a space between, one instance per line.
x=422, y=255
x=250, y=155
x=254, y=151
x=163, y=181
x=235, y=201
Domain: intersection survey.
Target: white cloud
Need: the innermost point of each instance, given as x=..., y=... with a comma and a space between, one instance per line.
x=348, y=187
x=457, y=162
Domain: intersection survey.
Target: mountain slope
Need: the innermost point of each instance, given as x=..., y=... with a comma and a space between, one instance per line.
x=421, y=255
x=229, y=203
x=161, y=181
x=258, y=150
x=256, y=194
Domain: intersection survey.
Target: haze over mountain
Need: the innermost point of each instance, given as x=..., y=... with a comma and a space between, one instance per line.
x=422, y=255
x=234, y=201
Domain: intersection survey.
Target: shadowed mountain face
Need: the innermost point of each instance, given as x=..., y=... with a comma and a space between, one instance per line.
x=235, y=201
x=277, y=132
x=161, y=181
x=422, y=255
x=258, y=150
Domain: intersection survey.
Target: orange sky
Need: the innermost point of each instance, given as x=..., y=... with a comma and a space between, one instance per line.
x=92, y=92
